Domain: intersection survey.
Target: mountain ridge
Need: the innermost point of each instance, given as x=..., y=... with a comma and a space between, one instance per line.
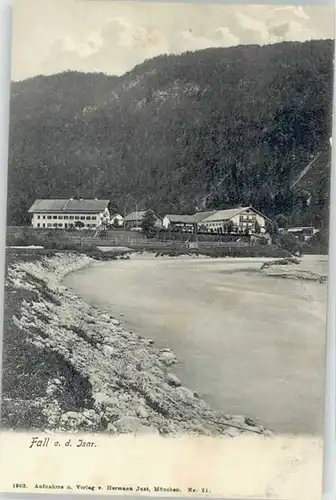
x=211, y=128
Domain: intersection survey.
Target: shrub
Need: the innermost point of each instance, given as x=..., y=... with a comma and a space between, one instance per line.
x=318, y=244
x=148, y=224
x=288, y=242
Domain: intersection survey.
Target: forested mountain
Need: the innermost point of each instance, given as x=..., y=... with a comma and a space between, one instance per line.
x=207, y=129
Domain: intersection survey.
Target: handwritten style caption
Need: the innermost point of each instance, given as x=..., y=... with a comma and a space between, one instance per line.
x=46, y=442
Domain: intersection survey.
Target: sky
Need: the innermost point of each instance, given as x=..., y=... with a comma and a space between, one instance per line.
x=51, y=36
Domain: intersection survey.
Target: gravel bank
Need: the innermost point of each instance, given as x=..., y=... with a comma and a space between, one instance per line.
x=305, y=269
x=130, y=385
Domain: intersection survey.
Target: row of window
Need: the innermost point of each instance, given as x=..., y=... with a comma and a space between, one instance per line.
x=220, y=224
x=242, y=218
x=71, y=217
x=66, y=225
x=247, y=217
x=214, y=224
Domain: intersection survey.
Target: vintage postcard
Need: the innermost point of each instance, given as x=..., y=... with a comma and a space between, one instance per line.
x=167, y=249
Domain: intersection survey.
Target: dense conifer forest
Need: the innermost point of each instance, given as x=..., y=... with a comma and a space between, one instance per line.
x=207, y=129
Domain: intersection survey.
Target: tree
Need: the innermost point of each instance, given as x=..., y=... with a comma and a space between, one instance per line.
x=115, y=223
x=271, y=227
x=257, y=228
x=289, y=242
x=234, y=153
x=105, y=221
x=230, y=227
x=281, y=220
x=148, y=223
x=79, y=224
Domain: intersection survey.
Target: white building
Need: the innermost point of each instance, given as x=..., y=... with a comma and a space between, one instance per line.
x=117, y=220
x=302, y=233
x=183, y=222
x=71, y=213
x=241, y=219
x=134, y=219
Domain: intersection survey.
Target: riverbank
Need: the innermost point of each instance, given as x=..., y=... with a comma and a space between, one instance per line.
x=84, y=241
x=68, y=366
x=306, y=268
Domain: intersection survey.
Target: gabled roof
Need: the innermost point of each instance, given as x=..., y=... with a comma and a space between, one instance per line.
x=229, y=213
x=201, y=216
x=137, y=216
x=183, y=219
x=69, y=205
x=113, y=216
x=226, y=214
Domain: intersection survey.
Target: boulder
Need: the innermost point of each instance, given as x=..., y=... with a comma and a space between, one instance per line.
x=107, y=350
x=101, y=399
x=185, y=393
x=167, y=357
x=249, y=421
x=91, y=415
x=128, y=424
x=226, y=416
x=111, y=428
x=73, y=418
x=51, y=389
x=148, y=430
x=110, y=340
x=142, y=412
x=232, y=432
x=38, y=344
x=238, y=420
x=173, y=380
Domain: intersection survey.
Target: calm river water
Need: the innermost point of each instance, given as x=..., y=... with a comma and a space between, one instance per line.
x=248, y=343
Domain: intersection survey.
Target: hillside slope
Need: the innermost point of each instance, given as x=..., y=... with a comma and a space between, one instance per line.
x=211, y=128
x=311, y=189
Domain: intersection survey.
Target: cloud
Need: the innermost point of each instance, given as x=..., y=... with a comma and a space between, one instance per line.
x=290, y=30
x=120, y=45
x=187, y=41
x=256, y=26
x=219, y=37
x=282, y=27
x=225, y=37
x=113, y=37
x=297, y=11
x=82, y=48
x=133, y=37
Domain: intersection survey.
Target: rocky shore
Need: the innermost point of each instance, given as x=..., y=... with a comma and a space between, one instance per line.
x=109, y=380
